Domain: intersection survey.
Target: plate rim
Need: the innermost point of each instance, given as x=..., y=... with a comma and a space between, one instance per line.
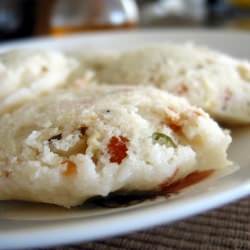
x=76, y=230
x=142, y=31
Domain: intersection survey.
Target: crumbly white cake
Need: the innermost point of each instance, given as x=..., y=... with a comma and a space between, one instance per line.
x=25, y=74
x=69, y=146
x=208, y=79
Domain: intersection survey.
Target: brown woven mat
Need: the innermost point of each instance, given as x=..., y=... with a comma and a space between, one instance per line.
x=224, y=228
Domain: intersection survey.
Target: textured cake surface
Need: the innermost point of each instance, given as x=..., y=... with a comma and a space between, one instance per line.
x=208, y=79
x=69, y=146
x=26, y=74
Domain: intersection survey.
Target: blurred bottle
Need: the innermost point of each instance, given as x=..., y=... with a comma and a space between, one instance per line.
x=173, y=13
x=245, y=3
x=240, y=14
x=229, y=13
x=90, y=15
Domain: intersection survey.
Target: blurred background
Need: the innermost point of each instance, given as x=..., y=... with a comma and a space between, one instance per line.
x=30, y=18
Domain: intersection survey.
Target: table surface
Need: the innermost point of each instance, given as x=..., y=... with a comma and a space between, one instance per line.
x=225, y=228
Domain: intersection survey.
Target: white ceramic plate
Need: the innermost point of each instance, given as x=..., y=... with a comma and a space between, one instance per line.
x=35, y=225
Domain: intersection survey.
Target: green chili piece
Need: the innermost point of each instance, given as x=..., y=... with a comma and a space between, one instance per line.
x=163, y=139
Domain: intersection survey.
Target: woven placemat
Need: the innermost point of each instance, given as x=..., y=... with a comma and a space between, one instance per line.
x=224, y=228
